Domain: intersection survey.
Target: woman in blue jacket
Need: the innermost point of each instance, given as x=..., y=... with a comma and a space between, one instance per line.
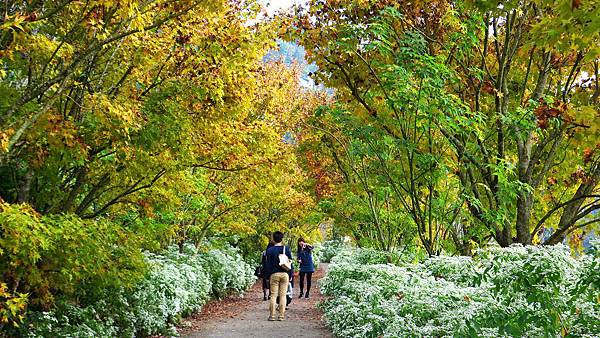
x=307, y=267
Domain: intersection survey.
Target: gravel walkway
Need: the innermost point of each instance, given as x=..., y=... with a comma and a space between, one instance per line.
x=247, y=316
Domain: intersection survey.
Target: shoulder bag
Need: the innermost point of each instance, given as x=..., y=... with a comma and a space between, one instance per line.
x=284, y=261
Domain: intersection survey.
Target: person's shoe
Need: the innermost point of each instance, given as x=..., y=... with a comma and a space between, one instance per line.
x=264, y=298
x=281, y=319
x=300, y=294
x=272, y=319
x=306, y=295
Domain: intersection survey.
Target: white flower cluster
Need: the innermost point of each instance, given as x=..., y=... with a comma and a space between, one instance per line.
x=328, y=249
x=513, y=292
x=176, y=285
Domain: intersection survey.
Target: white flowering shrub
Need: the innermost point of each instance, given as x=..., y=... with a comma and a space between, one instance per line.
x=328, y=249
x=316, y=259
x=459, y=270
x=228, y=273
x=531, y=287
x=70, y=321
x=366, y=256
x=367, y=299
x=513, y=292
x=587, y=304
x=176, y=285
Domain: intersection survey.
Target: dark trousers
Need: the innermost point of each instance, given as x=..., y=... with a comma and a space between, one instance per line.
x=308, y=281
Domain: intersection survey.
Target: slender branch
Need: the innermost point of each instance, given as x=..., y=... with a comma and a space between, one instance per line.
x=584, y=224
x=132, y=189
x=557, y=207
x=524, y=85
x=567, y=87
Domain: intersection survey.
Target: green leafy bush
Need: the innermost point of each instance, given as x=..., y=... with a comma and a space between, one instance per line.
x=45, y=256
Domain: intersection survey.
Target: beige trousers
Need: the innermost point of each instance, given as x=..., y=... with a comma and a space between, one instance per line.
x=279, y=283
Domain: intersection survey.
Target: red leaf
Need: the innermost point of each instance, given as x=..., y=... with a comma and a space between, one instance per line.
x=587, y=155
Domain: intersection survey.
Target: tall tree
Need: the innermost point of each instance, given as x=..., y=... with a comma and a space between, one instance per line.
x=506, y=108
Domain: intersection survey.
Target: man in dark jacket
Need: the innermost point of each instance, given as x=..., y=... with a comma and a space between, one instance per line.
x=263, y=276
x=278, y=276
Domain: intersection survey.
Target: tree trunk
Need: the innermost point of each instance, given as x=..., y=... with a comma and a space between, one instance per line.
x=524, y=206
x=504, y=238
x=23, y=194
x=462, y=243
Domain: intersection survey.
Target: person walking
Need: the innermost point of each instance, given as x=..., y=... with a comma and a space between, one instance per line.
x=290, y=289
x=278, y=275
x=264, y=277
x=307, y=267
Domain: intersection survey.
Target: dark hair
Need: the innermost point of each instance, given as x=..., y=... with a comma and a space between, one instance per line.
x=299, y=246
x=278, y=236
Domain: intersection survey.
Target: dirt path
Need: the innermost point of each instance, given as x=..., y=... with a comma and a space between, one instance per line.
x=247, y=317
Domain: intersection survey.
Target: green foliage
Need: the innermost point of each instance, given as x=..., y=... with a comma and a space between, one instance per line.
x=48, y=255
x=12, y=306
x=384, y=131
x=479, y=118
x=127, y=127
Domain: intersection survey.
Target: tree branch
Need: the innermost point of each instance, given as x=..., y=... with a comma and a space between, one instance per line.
x=132, y=189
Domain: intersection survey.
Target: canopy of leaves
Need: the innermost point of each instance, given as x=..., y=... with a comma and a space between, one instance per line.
x=130, y=126
x=480, y=117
